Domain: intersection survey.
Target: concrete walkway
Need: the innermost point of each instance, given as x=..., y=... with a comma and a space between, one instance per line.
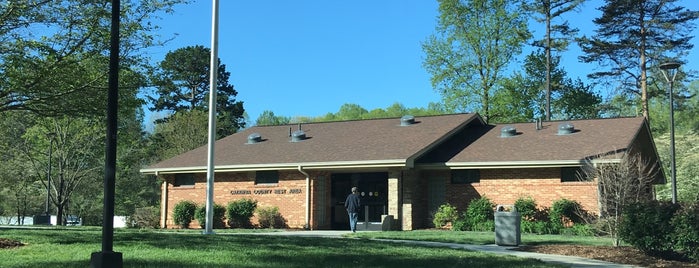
x=570, y=261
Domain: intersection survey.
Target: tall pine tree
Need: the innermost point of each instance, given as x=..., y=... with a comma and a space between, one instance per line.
x=634, y=35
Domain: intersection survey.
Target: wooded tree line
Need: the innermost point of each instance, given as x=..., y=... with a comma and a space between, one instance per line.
x=53, y=84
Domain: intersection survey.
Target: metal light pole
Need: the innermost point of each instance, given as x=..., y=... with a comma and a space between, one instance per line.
x=108, y=258
x=670, y=67
x=50, y=135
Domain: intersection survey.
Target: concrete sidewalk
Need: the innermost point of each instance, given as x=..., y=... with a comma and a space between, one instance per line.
x=570, y=261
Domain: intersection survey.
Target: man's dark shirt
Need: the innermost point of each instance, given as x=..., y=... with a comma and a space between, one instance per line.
x=352, y=203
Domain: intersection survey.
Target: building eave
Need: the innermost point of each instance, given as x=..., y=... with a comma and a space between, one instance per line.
x=515, y=164
x=392, y=163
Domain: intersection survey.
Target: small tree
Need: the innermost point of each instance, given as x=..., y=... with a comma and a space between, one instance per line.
x=621, y=184
x=184, y=213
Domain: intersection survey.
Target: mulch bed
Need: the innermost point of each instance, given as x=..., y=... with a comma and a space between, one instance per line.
x=8, y=243
x=622, y=255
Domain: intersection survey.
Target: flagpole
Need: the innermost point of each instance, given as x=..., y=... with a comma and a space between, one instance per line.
x=213, y=77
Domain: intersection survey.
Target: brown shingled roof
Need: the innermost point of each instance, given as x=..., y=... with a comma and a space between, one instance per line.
x=368, y=142
x=591, y=138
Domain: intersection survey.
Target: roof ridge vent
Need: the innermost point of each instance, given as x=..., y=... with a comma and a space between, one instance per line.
x=254, y=138
x=298, y=135
x=508, y=131
x=407, y=120
x=566, y=128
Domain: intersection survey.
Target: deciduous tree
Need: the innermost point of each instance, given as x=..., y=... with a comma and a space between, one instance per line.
x=475, y=42
x=53, y=54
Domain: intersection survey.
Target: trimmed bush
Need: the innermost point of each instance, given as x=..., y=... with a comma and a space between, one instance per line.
x=269, y=217
x=563, y=210
x=646, y=226
x=460, y=224
x=685, y=237
x=146, y=217
x=526, y=206
x=444, y=215
x=239, y=213
x=219, y=213
x=183, y=213
x=479, y=212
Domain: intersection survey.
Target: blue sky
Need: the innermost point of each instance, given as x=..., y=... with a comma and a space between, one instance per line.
x=307, y=58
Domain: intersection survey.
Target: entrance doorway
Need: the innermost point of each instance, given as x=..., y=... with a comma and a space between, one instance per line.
x=373, y=191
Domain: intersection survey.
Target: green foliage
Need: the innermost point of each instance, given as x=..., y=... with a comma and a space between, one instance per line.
x=63, y=70
x=182, y=84
x=183, y=214
x=460, y=224
x=686, y=157
x=630, y=37
x=474, y=43
x=219, y=214
x=269, y=217
x=563, y=210
x=479, y=213
x=147, y=217
x=580, y=229
x=446, y=213
x=267, y=118
x=646, y=226
x=685, y=238
x=182, y=132
x=526, y=206
x=239, y=212
x=486, y=226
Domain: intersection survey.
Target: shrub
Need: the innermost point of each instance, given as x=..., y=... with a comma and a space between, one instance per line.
x=445, y=214
x=563, y=210
x=219, y=213
x=479, y=211
x=526, y=206
x=686, y=231
x=485, y=226
x=646, y=226
x=146, y=217
x=460, y=224
x=269, y=217
x=579, y=230
x=240, y=211
x=184, y=213
x=544, y=227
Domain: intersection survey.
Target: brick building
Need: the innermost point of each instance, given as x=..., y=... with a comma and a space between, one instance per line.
x=404, y=167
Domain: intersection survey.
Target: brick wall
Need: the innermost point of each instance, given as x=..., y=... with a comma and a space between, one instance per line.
x=289, y=195
x=505, y=186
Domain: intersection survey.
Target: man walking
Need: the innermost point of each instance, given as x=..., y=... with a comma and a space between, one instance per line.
x=352, y=205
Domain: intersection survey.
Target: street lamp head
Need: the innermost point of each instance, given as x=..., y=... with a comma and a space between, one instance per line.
x=670, y=65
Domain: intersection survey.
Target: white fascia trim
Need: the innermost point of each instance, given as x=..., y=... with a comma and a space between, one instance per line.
x=516, y=164
x=282, y=166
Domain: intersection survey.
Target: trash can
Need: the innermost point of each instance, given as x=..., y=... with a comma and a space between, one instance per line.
x=507, y=226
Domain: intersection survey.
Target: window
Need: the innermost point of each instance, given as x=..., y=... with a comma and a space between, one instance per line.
x=184, y=180
x=464, y=176
x=267, y=177
x=572, y=174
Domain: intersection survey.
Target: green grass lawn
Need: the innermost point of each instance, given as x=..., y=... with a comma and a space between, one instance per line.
x=71, y=247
